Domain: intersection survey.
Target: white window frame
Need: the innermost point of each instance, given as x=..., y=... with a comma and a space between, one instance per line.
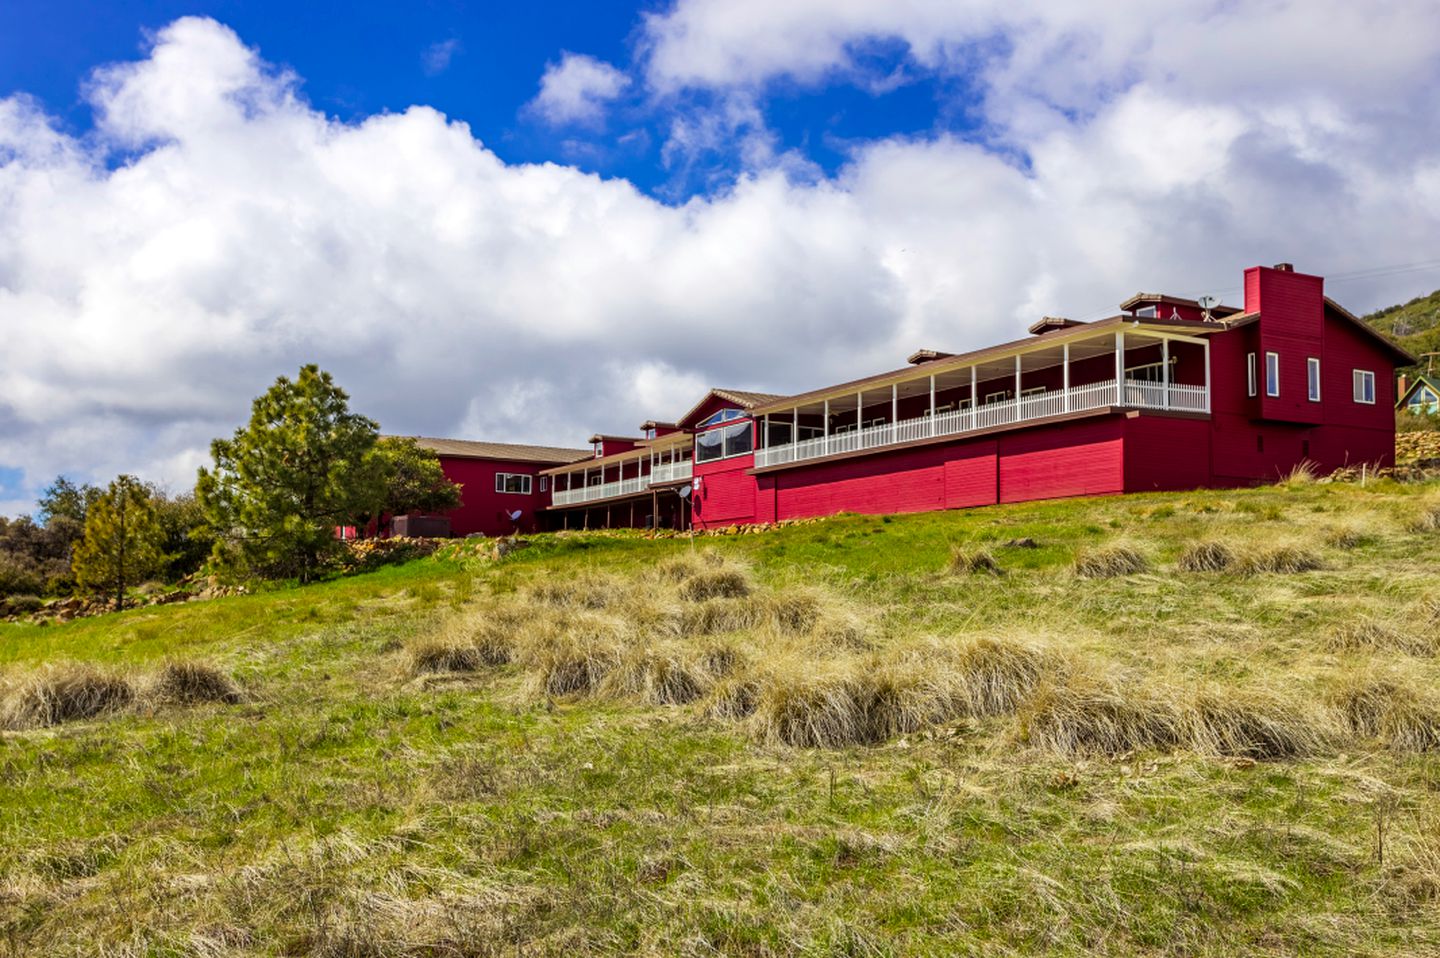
x=1148, y=312
x=544, y=483
x=1359, y=379
x=994, y=399
x=502, y=480
x=1272, y=383
x=1312, y=378
x=1251, y=379
x=724, y=446
x=1133, y=374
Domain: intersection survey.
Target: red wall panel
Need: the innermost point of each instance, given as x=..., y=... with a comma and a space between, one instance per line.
x=972, y=474
x=484, y=510
x=1070, y=459
x=1166, y=453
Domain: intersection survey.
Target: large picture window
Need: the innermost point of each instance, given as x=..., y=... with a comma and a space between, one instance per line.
x=514, y=483
x=724, y=442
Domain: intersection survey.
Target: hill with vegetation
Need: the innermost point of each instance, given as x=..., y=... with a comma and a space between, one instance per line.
x=1187, y=724
x=1414, y=325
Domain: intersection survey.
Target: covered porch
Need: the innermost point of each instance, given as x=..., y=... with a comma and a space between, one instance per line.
x=1061, y=374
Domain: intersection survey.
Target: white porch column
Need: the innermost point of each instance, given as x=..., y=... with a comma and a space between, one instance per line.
x=932, y=405
x=859, y=415
x=765, y=439
x=1119, y=368
x=1206, y=346
x=1065, y=373
x=894, y=411
x=795, y=425
x=1017, y=386
x=1165, y=371
x=825, y=428
x=974, y=399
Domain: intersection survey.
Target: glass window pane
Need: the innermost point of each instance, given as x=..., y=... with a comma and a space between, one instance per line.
x=738, y=439
x=709, y=445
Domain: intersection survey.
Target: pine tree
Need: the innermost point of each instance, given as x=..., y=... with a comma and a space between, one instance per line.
x=122, y=540
x=304, y=465
x=413, y=480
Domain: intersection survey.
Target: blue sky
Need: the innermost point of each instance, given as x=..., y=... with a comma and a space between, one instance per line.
x=481, y=63
x=529, y=223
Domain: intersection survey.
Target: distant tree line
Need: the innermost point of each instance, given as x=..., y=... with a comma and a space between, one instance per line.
x=267, y=507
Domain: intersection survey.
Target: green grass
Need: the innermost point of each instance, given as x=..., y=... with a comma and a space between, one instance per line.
x=347, y=807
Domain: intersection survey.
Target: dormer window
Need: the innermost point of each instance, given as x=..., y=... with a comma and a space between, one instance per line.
x=724, y=415
x=1148, y=312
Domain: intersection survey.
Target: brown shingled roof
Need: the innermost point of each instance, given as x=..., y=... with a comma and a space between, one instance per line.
x=507, y=451
x=743, y=398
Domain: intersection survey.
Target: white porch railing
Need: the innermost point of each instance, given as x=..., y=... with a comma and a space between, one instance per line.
x=1144, y=395
x=667, y=471
x=621, y=487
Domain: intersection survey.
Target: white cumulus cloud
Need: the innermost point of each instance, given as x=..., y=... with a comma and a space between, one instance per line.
x=578, y=89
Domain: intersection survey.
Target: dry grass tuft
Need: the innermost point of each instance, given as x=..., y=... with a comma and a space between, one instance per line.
x=1251, y=724
x=1349, y=536
x=1381, y=707
x=1283, y=559
x=70, y=693
x=573, y=663
x=1303, y=473
x=660, y=676
x=1206, y=557
x=190, y=683
x=1428, y=518
x=1371, y=635
x=1094, y=716
x=585, y=591
x=809, y=708
x=717, y=583
x=973, y=562
x=1412, y=872
x=1109, y=562
x=677, y=568
x=434, y=656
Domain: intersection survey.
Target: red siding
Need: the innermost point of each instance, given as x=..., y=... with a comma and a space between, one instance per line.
x=484, y=510
x=972, y=476
x=1292, y=310
x=1070, y=459
x=1166, y=453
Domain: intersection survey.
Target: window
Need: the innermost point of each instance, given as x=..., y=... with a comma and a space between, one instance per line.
x=992, y=398
x=1272, y=374
x=512, y=483
x=724, y=415
x=1364, y=381
x=1032, y=391
x=1312, y=378
x=1148, y=312
x=544, y=483
x=724, y=442
x=1250, y=373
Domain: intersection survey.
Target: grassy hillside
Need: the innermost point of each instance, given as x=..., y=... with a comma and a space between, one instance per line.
x=1414, y=325
x=1199, y=724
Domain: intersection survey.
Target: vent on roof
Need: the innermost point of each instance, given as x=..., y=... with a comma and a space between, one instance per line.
x=1285, y=267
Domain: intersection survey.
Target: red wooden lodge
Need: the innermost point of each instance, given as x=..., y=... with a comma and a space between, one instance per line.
x=1164, y=395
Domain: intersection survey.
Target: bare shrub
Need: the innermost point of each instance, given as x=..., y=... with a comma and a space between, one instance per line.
x=68, y=693
x=1205, y=557
x=1109, y=562
x=973, y=562
x=190, y=683
x=1282, y=559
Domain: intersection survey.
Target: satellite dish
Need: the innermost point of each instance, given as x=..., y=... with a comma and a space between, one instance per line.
x=1207, y=303
x=515, y=515
x=683, y=492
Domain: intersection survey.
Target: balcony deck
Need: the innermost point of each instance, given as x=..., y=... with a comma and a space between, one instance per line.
x=957, y=423
x=666, y=472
